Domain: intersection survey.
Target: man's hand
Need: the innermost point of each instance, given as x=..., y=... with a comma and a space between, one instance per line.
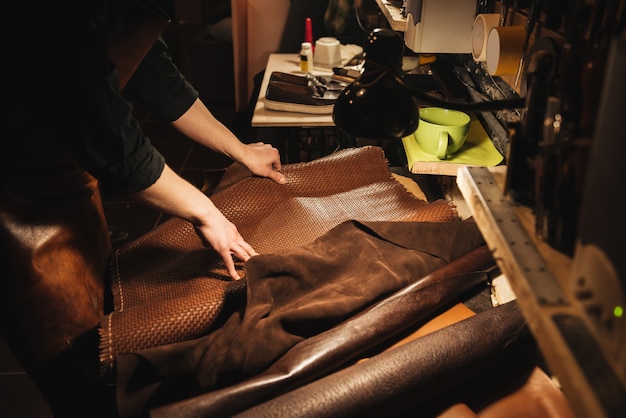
x=263, y=160
x=223, y=236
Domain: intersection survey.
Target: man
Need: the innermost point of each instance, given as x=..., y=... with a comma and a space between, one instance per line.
x=71, y=134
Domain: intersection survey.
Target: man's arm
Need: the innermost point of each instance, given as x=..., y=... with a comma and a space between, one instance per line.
x=201, y=126
x=174, y=195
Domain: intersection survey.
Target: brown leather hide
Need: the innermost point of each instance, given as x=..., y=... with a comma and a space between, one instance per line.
x=55, y=252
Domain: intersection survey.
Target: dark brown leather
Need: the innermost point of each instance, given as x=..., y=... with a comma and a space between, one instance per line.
x=291, y=88
x=536, y=396
x=406, y=380
x=340, y=346
x=281, y=77
x=294, y=295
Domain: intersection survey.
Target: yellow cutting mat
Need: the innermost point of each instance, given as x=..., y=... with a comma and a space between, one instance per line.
x=478, y=150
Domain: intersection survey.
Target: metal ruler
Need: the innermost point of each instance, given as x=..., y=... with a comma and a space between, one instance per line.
x=521, y=253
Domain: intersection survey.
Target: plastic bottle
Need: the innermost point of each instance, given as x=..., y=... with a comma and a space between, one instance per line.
x=306, y=57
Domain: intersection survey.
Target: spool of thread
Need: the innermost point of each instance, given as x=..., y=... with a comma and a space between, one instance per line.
x=308, y=32
x=505, y=47
x=480, y=33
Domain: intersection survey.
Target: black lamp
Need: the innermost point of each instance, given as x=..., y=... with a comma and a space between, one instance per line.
x=379, y=105
x=375, y=105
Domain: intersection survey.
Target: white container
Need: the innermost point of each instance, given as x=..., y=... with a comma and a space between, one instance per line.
x=327, y=53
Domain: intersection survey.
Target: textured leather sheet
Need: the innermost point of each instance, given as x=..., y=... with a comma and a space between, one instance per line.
x=167, y=287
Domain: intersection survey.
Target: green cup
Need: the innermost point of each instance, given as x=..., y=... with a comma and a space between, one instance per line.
x=442, y=132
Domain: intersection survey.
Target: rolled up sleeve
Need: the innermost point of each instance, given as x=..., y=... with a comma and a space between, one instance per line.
x=158, y=85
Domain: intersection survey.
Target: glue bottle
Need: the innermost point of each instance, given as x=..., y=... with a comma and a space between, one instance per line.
x=306, y=57
x=308, y=33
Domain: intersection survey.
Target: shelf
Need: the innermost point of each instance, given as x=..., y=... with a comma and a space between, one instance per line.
x=539, y=278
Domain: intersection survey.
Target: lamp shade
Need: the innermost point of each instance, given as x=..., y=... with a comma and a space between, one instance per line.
x=375, y=106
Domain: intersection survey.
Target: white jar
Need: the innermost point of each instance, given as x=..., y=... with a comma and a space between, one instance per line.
x=327, y=53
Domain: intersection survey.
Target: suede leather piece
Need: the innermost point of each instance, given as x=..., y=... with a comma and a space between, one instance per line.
x=365, y=333
x=293, y=295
